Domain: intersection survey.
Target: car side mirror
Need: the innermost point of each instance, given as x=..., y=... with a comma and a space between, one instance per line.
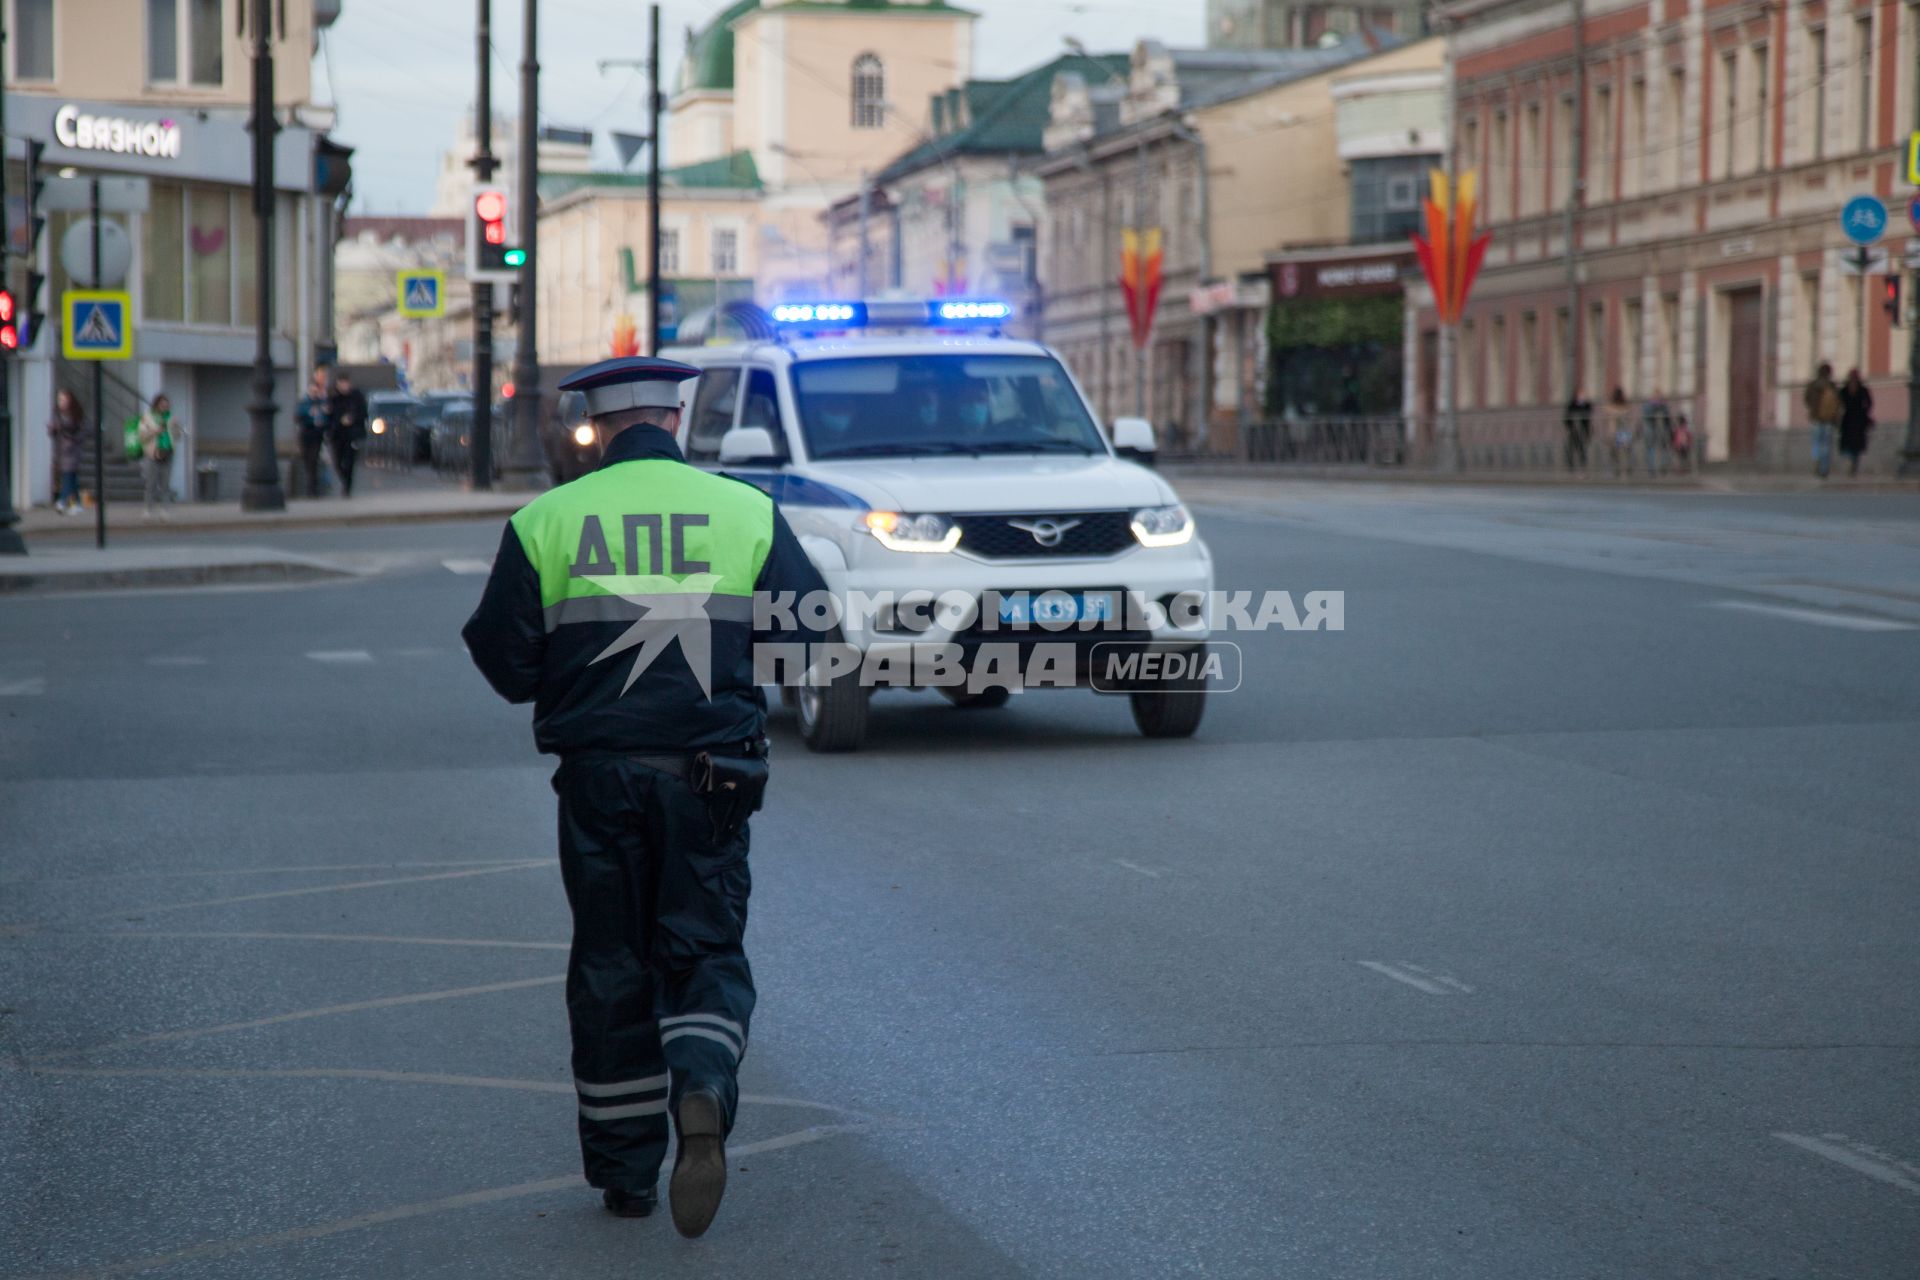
x=748, y=444
x=1133, y=438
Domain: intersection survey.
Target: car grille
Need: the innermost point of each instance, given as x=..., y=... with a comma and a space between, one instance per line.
x=993, y=536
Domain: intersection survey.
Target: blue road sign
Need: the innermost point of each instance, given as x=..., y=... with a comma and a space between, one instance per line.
x=1913, y=213
x=96, y=324
x=1864, y=219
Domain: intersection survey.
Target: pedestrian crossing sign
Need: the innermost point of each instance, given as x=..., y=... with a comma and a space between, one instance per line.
x=96, y=324
x=422, y=293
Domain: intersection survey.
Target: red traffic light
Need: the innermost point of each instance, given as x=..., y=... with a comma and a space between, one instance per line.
x=9, y=336
x=6, y=306
x=506, y=391
x=491, y=206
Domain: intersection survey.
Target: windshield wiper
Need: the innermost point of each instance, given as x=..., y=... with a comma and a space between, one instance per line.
x=1031, y=446
x=897, y=448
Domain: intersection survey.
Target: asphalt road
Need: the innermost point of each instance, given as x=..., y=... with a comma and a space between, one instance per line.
x=1554, y=919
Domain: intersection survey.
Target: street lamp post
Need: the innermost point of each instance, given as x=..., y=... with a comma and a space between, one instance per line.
x=262, y=491
x=11, y=543
x=523, y=466
x=483, y=167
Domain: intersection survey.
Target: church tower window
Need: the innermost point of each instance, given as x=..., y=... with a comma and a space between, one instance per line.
x=869, y=92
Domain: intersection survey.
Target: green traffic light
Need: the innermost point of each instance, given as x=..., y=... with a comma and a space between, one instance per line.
x=514, y=257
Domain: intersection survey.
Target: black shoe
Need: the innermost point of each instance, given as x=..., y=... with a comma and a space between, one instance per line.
x=624, y=1204
x=700, y=1169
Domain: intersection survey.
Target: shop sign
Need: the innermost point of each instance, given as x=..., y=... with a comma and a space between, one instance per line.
x=155, y=139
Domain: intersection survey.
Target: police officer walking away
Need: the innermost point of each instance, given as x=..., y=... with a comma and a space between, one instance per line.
x=621, y=606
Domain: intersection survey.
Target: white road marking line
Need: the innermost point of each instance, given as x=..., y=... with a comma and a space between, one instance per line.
x=299, y=1015
x=395, y=1077
x=1432, y=983
x=261, y=871
x=317, y=888
x=468, y=566
x=399, y=1213
x=340, y=655
x=1134, y=866
x=335, y=937
x=1859, y=1157
x=27, y=688
x=1821, y=617
x=177, y=660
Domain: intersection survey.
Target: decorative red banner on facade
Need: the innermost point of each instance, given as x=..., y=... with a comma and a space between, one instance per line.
x=1449, y=253
x=1140, y=279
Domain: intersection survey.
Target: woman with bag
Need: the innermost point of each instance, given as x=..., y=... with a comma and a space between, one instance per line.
x=68, y=428
x=160, y=435
x=1856, y=419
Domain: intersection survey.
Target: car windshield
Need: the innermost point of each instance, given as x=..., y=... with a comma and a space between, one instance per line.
x=902, y=406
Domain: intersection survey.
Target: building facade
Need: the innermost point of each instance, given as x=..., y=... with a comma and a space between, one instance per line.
x=1706, y=150
x=428, y=353
x=1301, y=24
x=812, y=95
x=1234, y=156
x=158, y=90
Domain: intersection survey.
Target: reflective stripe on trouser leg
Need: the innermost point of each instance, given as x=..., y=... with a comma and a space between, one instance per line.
x=704, y=998
x=611, y=879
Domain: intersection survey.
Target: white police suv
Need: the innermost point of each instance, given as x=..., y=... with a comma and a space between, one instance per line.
x=956, y=493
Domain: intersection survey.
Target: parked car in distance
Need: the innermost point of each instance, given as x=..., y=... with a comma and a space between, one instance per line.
x=571, y=444
x=397, y=419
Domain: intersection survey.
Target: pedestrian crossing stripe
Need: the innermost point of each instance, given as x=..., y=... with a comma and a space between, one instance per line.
x=422, y=293
x=96, y=324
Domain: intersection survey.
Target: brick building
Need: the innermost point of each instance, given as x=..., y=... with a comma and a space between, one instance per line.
x=1720, y=140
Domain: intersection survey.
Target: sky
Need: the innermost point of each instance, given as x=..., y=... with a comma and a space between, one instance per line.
x=401, y=72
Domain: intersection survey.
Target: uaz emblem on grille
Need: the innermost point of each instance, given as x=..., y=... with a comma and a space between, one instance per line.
x=1047, y=533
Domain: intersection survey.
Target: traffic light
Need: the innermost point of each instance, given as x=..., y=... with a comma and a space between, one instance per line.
x=9, y=328
x=32, y=300
x=1891, y=299
x=489, y=256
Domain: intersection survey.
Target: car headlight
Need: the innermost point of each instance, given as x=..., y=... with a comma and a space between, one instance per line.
x=1162, y=526
x=899, y=532
x=583, y=435
x=379, y=426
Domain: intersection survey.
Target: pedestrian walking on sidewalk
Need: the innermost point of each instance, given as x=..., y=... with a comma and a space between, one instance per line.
x=1823, y=414
x=1620, y=432
x=310, y=415
x=644, y=685
x=346, y=428
x=1656, y=430
x=1856, y=419
x=160, y=437
x=68, y=427
x=1579, y=425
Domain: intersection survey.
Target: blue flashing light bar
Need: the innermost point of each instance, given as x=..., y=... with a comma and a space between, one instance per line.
x=969, y=310
x=850, y=315
x=888, y=313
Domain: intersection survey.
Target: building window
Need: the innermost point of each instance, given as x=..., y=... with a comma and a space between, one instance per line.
x=193, y=25
x=1863, y=51
x=1557, y=358
x=209, y=256
x=1763, y=113
x=670, y=250
x=869, y=92
x=1499, y=171
x=164, y=280
x=1596, y=336
x=1602, y=165
x=1533, y=164
x=1633, y=331
x=1528, y=365
x=726, y=251
x=1677, y=148
x=1497, y=363
x=33, y=39
x=1724, y=133
x=1562, y=176
x=1809, y=359
x=1633, y=141
x=1817, y=68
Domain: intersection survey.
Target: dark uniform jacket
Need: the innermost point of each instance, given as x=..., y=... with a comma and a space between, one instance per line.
x=621, y=604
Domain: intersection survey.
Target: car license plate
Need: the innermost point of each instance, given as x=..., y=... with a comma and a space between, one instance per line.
x=1056, y=608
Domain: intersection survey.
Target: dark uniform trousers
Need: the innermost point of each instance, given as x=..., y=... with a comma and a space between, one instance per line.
x=659, y=995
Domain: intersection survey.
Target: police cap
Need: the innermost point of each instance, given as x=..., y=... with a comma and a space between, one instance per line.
x=629, y=382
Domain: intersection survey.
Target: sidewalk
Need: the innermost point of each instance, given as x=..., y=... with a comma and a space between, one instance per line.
x=1713, y=480
x=302, y=513
x=66, y=564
